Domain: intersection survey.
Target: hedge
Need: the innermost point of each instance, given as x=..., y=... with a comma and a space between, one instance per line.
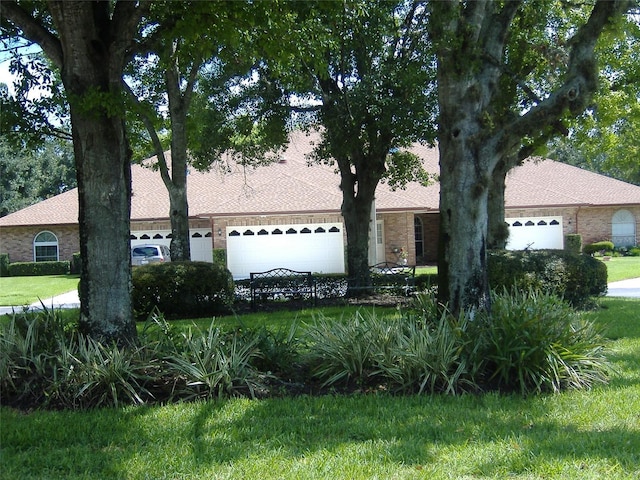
x=182, y=289
x=592, y=248
x=573, y=243
x=32, y=269
x=572, y=276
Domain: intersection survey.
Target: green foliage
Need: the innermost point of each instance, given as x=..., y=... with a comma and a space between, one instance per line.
x=220, y=257
x=4, y=264
x=406, y=354
x=181, y=289
x=604, y=138
x=24, y=269
x=425, y=281
x=277, y=351
x=30, y=176
x=212, y=365
x=533, y=342
x=598, y=247
x=573, y=277
x=573, y=243
x=76, y=264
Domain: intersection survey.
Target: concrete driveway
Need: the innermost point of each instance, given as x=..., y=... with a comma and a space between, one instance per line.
x=625, y=288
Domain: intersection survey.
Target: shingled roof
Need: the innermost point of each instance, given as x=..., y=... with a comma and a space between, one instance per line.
x=293, y=186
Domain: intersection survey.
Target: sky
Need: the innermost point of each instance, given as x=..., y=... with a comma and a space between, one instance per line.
x=5, y=76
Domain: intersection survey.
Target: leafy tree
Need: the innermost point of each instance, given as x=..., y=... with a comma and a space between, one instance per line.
x=38, y=110
x=477, y=46
x=90, y=43
x=365, y=82
x=28, y=177
x=605, y=138
x=184, y=84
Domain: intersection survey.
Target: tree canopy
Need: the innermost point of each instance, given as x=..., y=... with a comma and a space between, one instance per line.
x=365, y=83
x=605, y=137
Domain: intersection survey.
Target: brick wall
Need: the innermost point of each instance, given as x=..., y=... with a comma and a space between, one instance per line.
x=18, y=241
x=398, y=233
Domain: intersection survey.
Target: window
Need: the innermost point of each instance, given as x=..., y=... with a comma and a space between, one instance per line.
x=623, y=229
x=419, y=236
x=45, y=247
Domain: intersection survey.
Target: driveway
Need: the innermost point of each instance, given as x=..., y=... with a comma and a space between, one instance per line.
x=625, y=288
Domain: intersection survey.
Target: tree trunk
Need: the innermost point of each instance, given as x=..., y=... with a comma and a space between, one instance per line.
x=104, y=191
x=462, y=258
x=498, y=230
x=177, y=183
x=356, y=211
x=92, y=66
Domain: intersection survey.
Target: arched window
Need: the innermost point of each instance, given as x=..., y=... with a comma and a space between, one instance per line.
x=623, y=229
x=45, y=247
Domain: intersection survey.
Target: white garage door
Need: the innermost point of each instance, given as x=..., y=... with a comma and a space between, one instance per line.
x=535, y=233
x=317, y=248
x=200, y=244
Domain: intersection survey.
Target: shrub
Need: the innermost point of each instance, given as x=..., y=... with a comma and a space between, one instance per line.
x=276, y=351
x=426, y=281
x=573, y=277
x=533, y=342
x=182, y=289
x=573, y=243
x=4, y=264
x=330, y=285
x=76, y=264
x=220, y=257
x=24, y=269
x=591, y=248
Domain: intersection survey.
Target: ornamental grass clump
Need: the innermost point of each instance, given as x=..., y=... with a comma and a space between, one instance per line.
x=45, y=362
x=412, y=353
x=211, y=364
x=533, y=342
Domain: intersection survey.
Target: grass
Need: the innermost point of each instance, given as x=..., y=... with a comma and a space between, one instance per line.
x=16, y=291
x=621, y=268
x=572, y=435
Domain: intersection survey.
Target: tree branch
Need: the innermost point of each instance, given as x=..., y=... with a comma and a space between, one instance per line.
x=33, y=31
x=581, y=77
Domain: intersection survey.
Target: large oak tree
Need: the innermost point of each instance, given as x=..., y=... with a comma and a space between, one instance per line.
x=90, y=43
x=482, y=131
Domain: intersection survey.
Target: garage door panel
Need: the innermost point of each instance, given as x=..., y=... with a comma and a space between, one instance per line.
x=535, y=233
x=308, y=247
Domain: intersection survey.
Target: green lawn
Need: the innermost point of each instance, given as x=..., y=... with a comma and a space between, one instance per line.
x=621, y=268
x=574, y=435
x=15, y=291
